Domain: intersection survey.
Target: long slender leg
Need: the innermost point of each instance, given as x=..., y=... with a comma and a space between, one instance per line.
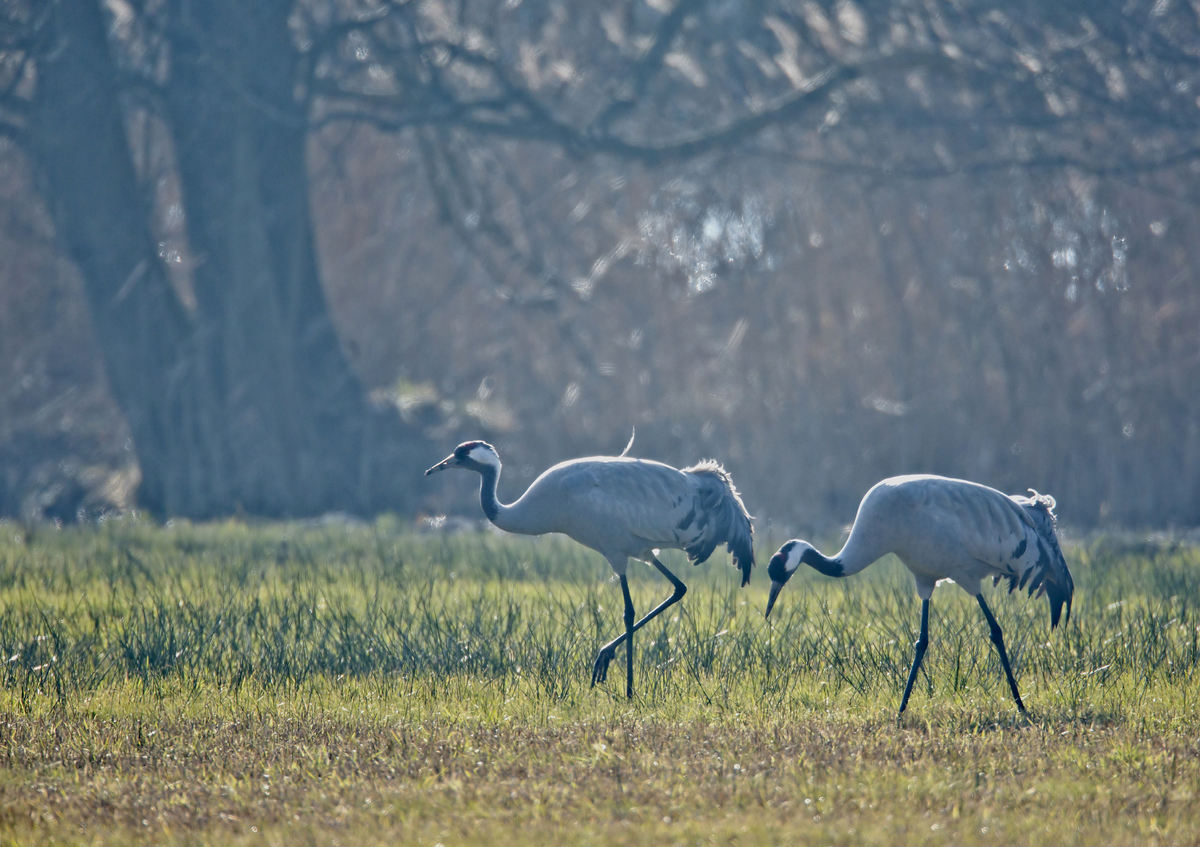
x=609, y=650
x=998, y=640
x=922, y=643
x=628, y=637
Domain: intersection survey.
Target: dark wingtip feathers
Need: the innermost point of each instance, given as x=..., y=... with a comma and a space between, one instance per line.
x=1038, y=580
x=1059, y=597
x=743, y=558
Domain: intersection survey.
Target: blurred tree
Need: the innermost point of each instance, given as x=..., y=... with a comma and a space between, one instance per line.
x=246, y=400
x=238, y=392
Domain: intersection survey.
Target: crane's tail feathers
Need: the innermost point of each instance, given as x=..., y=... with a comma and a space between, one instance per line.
x=727, y=520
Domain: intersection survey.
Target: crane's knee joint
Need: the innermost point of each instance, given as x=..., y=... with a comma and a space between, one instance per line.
x=680, y=590
x=921, y=644
x=628, y=618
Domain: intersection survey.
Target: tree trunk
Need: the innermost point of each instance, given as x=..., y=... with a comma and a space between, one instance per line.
x=100, y=215
x=249, y=404
x=295, y=410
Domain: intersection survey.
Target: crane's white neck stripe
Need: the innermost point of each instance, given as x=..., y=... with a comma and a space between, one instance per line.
x=484, y=456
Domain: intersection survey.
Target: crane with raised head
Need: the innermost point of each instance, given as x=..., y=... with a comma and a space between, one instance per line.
x=623, y=508
x=951, y=529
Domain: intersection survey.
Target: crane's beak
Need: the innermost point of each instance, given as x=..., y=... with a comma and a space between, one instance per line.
x=775, y=586
x=448, y=462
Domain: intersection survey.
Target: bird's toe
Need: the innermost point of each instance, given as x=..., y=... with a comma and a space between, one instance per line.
x=600, y=668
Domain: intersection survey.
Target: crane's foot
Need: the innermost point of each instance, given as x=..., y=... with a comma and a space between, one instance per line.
x=600, y=668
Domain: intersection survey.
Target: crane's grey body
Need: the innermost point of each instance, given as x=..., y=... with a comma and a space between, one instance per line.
x=623, y=508
x=943, y=528
x=627, y=508
x=953, y=529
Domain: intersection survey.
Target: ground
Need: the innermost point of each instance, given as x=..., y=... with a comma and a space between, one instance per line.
x=284, y=684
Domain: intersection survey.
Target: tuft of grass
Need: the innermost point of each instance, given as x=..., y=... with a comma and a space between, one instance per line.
x=227, y=683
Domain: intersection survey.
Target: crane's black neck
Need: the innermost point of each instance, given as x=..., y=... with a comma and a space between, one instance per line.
x=820, y=562
x=487, y=492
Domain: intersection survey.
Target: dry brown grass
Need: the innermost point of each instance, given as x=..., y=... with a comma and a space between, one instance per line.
x=346, y=764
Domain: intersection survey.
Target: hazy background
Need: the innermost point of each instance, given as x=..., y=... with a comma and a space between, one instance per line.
x=279, y=260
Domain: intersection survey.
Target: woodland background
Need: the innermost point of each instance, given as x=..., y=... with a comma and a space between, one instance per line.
x=277, y=258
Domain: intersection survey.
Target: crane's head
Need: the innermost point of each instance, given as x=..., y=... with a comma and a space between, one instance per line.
x=782, y=565
x=473, y=455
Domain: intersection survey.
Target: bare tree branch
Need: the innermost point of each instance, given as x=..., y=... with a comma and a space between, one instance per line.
x=644, y=71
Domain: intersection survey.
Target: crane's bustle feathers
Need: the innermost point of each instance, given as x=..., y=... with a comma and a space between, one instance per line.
x=726, y=515
x=1053, y=578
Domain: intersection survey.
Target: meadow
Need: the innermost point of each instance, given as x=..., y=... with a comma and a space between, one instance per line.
x=336, y=685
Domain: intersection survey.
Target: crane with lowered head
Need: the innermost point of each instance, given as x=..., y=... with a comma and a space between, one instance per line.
x=943, y=528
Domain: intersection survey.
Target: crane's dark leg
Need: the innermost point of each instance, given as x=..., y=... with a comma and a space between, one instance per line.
x=998, y=640
x=609, y=650
x=628, y=637
x=922, y=643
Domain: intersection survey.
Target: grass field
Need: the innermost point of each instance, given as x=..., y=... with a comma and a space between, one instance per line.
x=366, y=685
